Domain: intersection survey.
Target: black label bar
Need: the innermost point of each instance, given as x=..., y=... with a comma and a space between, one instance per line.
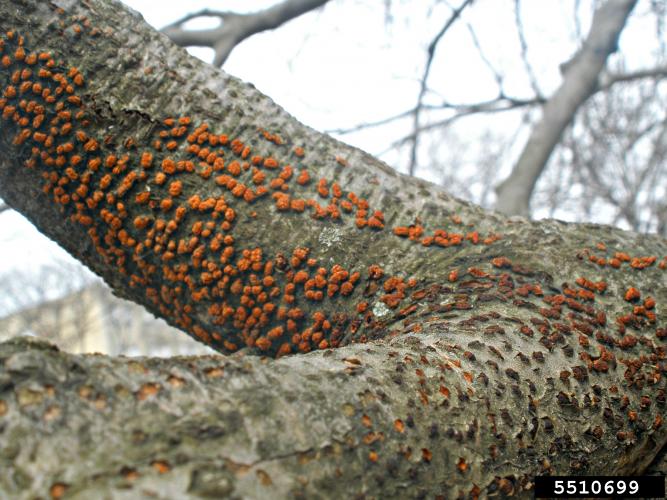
x=600, y=486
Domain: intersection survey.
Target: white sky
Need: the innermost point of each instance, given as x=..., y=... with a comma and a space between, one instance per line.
x=345, y=64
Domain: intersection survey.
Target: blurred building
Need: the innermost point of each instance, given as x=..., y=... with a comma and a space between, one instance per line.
x=92, y=319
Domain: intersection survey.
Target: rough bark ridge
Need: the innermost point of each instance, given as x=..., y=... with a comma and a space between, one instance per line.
x=474, y=351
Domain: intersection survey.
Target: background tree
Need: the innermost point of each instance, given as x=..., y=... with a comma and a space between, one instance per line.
x=474, y=351
x=613, y=76
x=79, y=313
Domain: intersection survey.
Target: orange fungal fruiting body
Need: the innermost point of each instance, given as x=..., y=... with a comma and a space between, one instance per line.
x=173, y=214
x=632, y=294
x=188, y=235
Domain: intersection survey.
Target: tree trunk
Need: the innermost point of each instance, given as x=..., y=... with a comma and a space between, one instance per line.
x=580, y=80
x=474, y=352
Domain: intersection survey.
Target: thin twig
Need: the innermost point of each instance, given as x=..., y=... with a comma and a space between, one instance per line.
x=610, y=79
x=491, y=106
x=380, y=122
x=524, y=49
x=422, y=91
x=496, y=74
x=466, y=110
x=577, y=20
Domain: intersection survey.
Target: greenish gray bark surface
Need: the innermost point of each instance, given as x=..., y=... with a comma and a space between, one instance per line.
x=533, y=357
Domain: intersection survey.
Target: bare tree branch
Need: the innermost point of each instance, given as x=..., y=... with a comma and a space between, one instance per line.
x=579, y=83
x=499, y=104
x=615, y=155
x=496, y=105
x=422, y=91
x=234, y=28
x=200, y=13
x=496, y=74
x=660, y=11
x=577, y=20
x=607, y=80
x=502, y=103
x=456, y=386
x=524, y=49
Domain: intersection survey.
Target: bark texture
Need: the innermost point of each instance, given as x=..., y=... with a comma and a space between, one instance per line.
x=580, y=81
x=474, y=351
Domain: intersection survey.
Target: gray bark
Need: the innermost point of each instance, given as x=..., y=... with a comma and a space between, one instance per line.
x=580, y=80
x=456, y=387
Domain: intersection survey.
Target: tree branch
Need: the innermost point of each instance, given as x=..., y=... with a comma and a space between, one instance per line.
x=194, y=15
x=579, y=83
x=234, y=28
x=524, y=49
x=412, y=164
x=496, y=74
x=472, y=352
x=497, y=105
x=607, y=80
